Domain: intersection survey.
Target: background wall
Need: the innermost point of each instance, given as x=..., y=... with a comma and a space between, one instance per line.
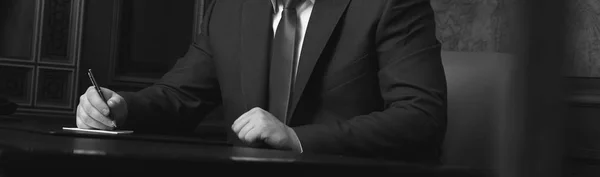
x=484, y=26
x=474, y=25
x=584, y=60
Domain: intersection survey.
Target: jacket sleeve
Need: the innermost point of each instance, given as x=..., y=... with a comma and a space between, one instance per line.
x=182, y=97
x=412, y=85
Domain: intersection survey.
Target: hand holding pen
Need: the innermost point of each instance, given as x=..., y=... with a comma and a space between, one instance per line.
x=100, y=108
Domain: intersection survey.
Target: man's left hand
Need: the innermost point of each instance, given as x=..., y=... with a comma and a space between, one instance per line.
x=259, y=125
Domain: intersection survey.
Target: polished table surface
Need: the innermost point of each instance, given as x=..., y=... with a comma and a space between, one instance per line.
x=33, y=148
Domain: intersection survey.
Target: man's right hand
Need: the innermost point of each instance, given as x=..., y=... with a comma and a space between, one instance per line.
x=94, y=113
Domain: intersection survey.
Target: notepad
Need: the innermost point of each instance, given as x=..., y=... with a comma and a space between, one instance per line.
x=112, y=132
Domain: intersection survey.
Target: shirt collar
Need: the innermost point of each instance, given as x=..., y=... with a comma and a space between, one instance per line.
x=274, y=3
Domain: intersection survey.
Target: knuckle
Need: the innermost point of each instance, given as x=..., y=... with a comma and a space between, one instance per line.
x=258, y=122
x=256, y=109
x=80, y=111
x=255, y=120
x=259, y=112
x=78, y=123
x=262, y=117
x=261, y=127
x=85, y=107
x=88, y=91
x=83, y=99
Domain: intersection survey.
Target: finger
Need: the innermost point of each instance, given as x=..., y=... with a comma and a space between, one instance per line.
x=115, y=101
x=117, y=106
x=107, y=92
x=89, y=121
x=243, y=116
x=243, y=120
x=81, y=124
x=237, y=127
x=95, y=100
x=245, y=131
x=79, y=118
x=93, y=113
x=253, y=135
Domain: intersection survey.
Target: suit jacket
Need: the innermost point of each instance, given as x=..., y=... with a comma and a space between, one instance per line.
x=370, y=80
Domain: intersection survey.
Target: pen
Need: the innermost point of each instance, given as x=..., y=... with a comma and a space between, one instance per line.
x=93, y=80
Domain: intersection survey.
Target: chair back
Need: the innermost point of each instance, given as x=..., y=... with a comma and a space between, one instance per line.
x=479, y=87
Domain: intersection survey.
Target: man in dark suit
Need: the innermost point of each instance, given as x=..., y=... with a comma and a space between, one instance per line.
x=354, y=77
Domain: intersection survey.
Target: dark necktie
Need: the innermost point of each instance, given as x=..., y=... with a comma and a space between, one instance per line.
x=283, y=61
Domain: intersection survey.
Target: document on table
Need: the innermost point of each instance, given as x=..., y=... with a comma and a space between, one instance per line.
x=112, y=132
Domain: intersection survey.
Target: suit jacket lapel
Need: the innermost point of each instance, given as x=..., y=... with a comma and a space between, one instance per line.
x=255, y=38
x=323, y=20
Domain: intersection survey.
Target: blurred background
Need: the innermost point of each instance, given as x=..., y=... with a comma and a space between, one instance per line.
x=495, y=67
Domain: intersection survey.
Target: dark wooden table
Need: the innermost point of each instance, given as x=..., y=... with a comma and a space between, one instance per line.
x=30, y=148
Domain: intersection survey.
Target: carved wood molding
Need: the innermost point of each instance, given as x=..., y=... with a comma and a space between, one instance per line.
x=114, y=39
x=76, y=36
x=52, y=84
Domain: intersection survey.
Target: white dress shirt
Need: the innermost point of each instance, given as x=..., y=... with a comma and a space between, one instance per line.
x=304, y=9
